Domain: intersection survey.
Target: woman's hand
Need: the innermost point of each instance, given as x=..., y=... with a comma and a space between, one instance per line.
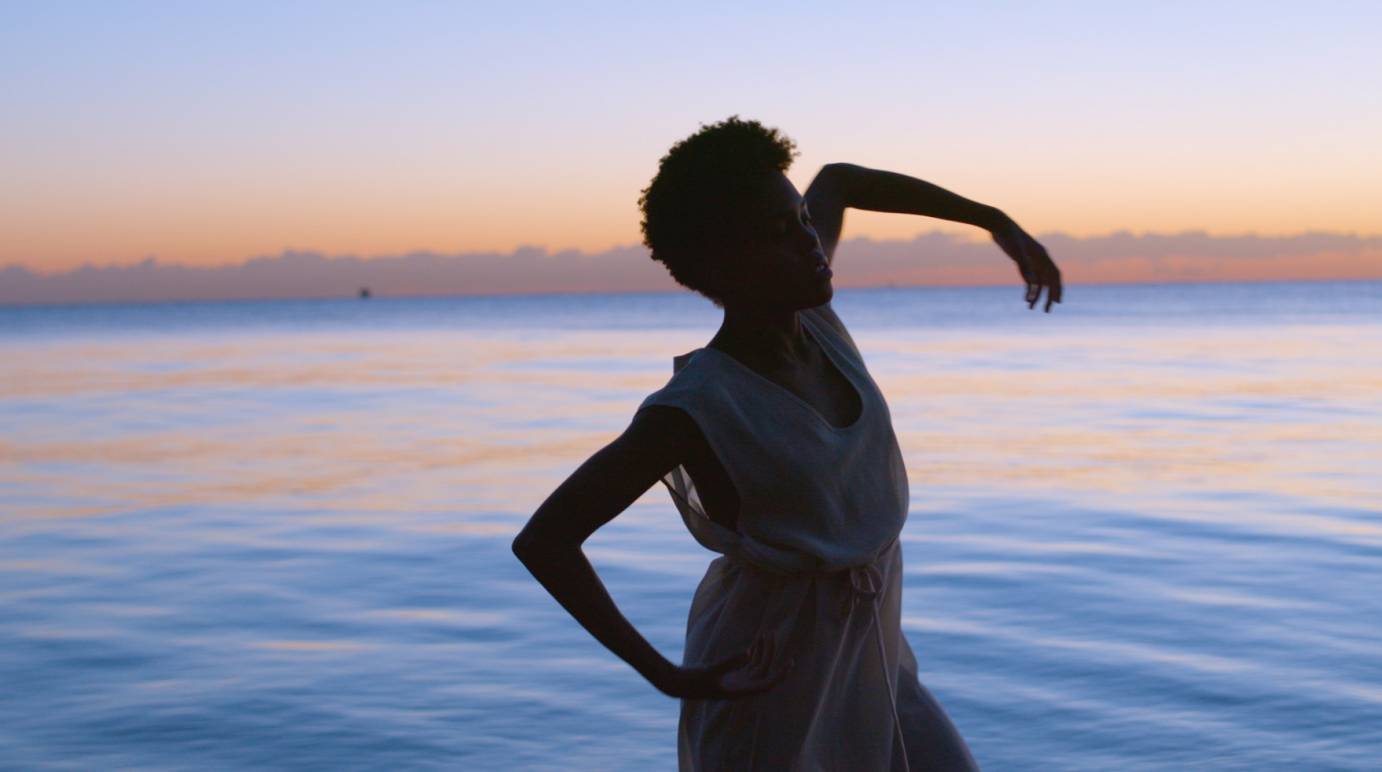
x=747, y=672
x=1033, y=263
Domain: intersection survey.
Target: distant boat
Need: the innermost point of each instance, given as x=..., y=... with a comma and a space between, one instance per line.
x=364, y=293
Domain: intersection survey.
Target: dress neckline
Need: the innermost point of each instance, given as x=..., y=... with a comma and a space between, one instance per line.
x=830, y=358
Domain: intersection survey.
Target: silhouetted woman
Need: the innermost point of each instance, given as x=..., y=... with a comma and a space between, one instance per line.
x=779, y=452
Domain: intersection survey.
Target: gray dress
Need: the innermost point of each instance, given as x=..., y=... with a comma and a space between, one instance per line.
x=815, y=563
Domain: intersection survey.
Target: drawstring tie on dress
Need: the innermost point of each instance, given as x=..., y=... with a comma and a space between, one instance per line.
x=865, y=583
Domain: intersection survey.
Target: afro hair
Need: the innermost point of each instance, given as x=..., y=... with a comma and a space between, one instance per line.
x=688, y=208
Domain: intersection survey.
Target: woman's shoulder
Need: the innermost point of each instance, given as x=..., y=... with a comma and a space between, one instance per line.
x=691, y=381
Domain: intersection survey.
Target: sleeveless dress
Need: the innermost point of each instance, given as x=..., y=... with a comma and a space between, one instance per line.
x=815, y=563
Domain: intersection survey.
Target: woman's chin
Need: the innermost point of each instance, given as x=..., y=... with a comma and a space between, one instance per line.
x=824, y=293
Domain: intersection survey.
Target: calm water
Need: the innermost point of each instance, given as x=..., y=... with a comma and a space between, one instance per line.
x=1145, y=532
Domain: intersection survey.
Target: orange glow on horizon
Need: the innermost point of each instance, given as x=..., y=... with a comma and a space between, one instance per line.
x=183, y=220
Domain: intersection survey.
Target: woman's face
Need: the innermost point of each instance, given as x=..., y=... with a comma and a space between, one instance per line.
x=775, y=259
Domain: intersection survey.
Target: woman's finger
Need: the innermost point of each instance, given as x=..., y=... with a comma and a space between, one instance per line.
x=1048, y=273
x=761, y=683
x=744, y=659
x=760, y=649
x=731, y=662
x=1054, y=288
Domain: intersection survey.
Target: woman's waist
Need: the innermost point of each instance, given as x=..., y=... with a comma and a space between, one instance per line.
x=812, y=557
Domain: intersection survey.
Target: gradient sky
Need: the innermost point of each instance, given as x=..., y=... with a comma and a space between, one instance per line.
x=206, y=135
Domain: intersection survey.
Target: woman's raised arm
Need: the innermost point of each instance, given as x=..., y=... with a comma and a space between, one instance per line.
x=841, y=185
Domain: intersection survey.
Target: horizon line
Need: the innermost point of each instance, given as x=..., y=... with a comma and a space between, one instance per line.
x=674, y=291
x=960, y=235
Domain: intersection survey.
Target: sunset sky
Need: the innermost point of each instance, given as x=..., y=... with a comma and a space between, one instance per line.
x=209, y=135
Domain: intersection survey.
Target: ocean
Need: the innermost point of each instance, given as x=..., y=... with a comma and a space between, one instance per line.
x=1145, y=529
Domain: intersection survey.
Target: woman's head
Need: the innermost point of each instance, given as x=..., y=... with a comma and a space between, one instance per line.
x=725, y=220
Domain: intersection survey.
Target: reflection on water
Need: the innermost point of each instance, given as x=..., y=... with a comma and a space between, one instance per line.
x=256, y=538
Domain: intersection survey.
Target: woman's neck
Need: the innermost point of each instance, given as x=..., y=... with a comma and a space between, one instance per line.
x=771, y=339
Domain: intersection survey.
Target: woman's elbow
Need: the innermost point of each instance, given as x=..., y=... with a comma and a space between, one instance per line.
x=840, y=171
x=526, y=545
x=531, y=546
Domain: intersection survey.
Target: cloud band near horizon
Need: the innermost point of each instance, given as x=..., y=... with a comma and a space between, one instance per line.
x=935, y=258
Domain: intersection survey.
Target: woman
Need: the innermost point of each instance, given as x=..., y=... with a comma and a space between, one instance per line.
x=779, y=453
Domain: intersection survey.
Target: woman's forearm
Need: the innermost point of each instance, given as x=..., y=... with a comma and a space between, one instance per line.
x=882, y=191
x=566, y=573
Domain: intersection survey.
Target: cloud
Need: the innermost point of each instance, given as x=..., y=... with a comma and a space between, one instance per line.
x=936, y=258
